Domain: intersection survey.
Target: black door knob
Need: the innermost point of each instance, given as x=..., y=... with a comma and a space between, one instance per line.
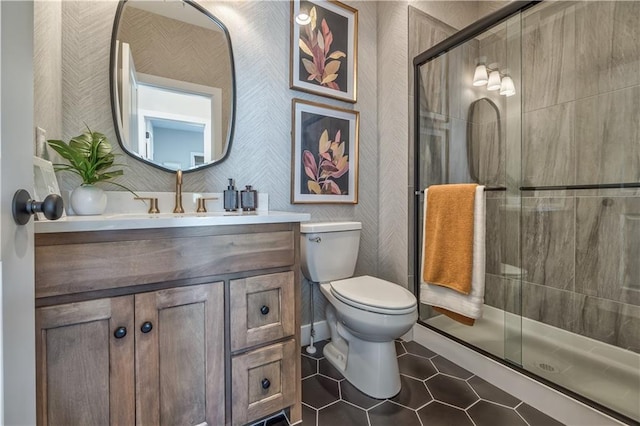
x=146, y=327
x=265, y=384
x=264, y=310
x=23, y=207
x=120, y=332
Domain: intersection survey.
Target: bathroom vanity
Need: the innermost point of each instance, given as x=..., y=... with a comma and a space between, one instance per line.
x=181, y=320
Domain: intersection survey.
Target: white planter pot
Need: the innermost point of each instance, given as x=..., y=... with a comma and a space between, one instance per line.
x=88, y=200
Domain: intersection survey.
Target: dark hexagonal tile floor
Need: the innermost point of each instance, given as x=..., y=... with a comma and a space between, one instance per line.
x=435, y=392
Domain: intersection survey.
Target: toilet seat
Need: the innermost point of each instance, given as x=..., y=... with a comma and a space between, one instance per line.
x=374, y=295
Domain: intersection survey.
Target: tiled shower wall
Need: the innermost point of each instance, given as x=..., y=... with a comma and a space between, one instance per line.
x=581, y=125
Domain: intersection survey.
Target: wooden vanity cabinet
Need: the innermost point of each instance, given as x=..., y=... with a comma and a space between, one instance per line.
x=151, y=358
x=133, y=349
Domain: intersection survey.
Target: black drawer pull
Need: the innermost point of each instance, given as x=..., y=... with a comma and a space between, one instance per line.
x=146, y=327
x=120, y=332
x=266, y=384
x=264, y=310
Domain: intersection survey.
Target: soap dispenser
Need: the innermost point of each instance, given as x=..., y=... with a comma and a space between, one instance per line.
x=248, y=199
x=230, y=197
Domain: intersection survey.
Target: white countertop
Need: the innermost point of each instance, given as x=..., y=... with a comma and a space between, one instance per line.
x=124, y=212
x=119, y=221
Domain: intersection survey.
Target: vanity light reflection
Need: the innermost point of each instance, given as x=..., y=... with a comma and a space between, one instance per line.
x=494, y=79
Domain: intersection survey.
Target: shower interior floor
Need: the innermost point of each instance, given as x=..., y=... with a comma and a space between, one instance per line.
x=601, y=372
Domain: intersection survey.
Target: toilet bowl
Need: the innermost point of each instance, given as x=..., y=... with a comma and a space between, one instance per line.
x=365, y=314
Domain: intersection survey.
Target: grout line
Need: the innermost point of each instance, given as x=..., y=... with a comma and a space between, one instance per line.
x=470, y=418
x=329, y=404
x=414, y=378
x=498, y=404
x=424, y=405
x=475, y=403
x=453, y=376
x=353, y=405
x=380, y=402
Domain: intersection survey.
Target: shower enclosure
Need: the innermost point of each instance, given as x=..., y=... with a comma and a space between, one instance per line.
x=540, y=102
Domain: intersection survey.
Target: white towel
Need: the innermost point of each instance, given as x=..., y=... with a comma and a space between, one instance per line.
x=469, y=305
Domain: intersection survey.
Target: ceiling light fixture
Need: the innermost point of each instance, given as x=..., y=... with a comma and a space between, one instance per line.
x=303, y=18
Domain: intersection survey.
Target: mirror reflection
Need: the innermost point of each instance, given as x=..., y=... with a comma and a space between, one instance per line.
x=172, y=84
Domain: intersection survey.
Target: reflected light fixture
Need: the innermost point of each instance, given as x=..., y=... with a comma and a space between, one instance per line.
x=494, y=81
x=480, y=76
x=507, y=87
x=303, y=18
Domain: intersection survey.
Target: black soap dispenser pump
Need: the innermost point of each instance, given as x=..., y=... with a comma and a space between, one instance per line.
x=230, y=197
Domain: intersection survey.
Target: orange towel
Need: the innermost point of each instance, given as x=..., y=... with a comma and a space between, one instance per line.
x=455, y=316
x=449, y=231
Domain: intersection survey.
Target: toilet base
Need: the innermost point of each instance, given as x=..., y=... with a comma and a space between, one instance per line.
x=372, y=367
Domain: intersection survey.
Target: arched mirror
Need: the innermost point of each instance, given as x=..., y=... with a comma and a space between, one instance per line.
x=172, y=84
x=485, y=143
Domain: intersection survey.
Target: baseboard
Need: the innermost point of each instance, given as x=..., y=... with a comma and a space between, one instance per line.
x=548, y=400
x=321, y=329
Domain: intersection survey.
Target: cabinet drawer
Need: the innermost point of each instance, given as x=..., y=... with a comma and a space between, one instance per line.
x=262, y=309
x=263, y=381
x=85, y=265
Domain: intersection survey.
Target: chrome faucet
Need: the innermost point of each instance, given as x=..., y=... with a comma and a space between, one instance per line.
x=178, y=208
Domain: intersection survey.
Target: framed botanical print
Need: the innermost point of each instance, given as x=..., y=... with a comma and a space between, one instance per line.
x=324, y=51
x=324, y=165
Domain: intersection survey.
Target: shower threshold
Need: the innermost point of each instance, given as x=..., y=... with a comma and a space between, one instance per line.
x=601, y=372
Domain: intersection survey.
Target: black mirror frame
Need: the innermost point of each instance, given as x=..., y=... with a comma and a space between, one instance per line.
x=113, y=89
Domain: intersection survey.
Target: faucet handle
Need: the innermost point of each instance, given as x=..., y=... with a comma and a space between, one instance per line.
x=153, y=203
x=202, y=204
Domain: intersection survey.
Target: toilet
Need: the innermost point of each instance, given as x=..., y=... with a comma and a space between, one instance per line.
x=365, y=314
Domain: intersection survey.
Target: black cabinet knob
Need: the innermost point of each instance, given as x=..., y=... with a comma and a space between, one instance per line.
x=265, y=384
x=264, y=310
x=146, y=327
x=120, y=332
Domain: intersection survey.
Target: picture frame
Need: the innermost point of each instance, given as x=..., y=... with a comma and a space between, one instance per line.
x=44, y=182
x=324, y=162
x=330, y=71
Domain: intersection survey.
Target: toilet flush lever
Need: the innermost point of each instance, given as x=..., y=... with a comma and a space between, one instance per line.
x=315, y=240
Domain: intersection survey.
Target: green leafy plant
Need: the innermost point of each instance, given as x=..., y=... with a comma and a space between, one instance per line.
x=89, y=156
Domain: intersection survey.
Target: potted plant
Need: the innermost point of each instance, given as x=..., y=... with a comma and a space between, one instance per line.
x=90, y=157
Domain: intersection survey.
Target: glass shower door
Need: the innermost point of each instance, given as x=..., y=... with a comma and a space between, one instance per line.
x=471, y=132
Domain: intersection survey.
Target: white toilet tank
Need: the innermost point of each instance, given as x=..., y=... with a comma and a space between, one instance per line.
x=329, y=250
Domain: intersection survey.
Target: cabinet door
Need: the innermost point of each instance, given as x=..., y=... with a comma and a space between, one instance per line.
x=85, y=369
x=180, y=356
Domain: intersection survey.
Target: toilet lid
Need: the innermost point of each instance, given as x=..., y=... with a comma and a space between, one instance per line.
x=374, y=294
